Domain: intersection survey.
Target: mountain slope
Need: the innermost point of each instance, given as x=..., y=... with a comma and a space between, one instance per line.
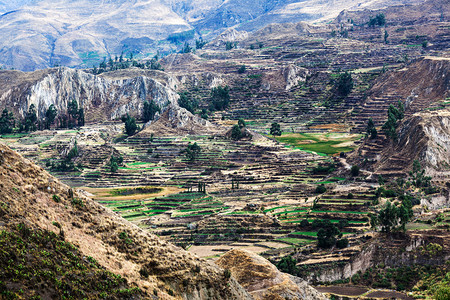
x=40, y=34
x=78, y=33
x=31, y=196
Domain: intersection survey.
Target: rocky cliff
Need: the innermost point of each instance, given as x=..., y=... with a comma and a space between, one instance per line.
x=425, y=137
x=104, y=97
x=33, y=204
x=263, y=280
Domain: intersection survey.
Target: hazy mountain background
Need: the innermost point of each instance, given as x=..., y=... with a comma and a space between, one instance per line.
x=80, y=33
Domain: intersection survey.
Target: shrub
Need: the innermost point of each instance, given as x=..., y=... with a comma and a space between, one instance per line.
x=349, y=196
x=130, y=124
x=220, y=98
x=354, y=170
x=304, y=223
x=342, y=243
x=320, y=189
x=275, y=129
x=56, y=198
x=242, y=69
x=227, y=274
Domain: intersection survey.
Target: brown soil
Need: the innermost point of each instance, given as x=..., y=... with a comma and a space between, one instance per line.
x=343, y=290
x=389, y=295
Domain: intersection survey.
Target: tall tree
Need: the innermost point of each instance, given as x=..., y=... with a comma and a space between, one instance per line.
x=72, y=109
x=344, y=84
x=150, y=110
x=130, y=124
x=371, y=131
x=31, y=119
x=7, y=122
x=50, y=116
x=220, y=98
x=275, y=129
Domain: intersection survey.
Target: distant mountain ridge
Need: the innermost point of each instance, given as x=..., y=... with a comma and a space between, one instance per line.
x=80, y=33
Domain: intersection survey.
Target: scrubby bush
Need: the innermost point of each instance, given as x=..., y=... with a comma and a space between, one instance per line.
x=342, y=243
x=320, y=189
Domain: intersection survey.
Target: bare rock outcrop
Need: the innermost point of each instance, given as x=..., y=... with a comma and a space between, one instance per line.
x=263, y=280
x=176, y=120
x=104, y=97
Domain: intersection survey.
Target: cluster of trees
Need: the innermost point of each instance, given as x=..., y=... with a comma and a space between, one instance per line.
x=230, y=45
x=7, y=122
x=395, y=114
x=378, y=20
x=67, y=163
x=114, y=163
x=199, y=44
x=148, y=114
x=130, y=124
x=187, y=102
x=220, y=98
x=344, y=84
x=258, y=45
x=192, y=151
x=393, y=216
x=121, y=62
x=275, y=129
x=150, y=110
x=238, y=131
x=73, y=118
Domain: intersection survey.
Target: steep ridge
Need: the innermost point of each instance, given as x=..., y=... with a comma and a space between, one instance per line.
x=104, y=97
x=32, y=197
x=419, y=85
x=425, y=137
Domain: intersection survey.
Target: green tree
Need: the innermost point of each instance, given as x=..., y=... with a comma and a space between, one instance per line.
x=150, y=110
x=386, y=35
x=31, y=119
x=344, y=84
x=199, y=44
x=288, y=265
x=242, y=69
x=220, y=98
x=192, y=151
x=236, y=133
x=230, y=45
x=371, y=131
x=114, y=163
x=73, y=152
x=418, y=177
x=80, y=118
x=390, y=127
x=241, y=123
x=187, y=102
x=327, y=235
x=130, y=124
x=275, y=129
x=72, y=109
x=392, y=217
x=354, y=170
x=50, y=116
x=7, y=122
x=378, y=20
x=186, y=48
